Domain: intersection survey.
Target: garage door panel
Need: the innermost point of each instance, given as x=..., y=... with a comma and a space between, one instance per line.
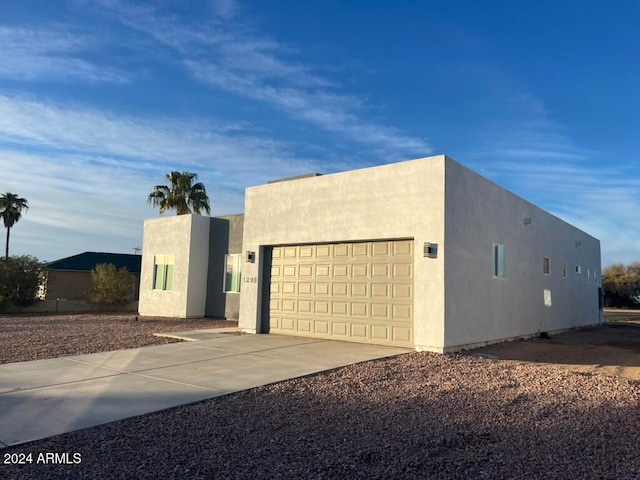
x=306, y=252
x=359, y=309
x=380, y=249
x=339, y=328
x=321, y=308
x=340, y=289
x=359, y=331
x=380, y=290
x=401, y=334
x=321, y=327
x=359, y=289
x=305, y=306
x=403, y=248
x=360, y=271
x=288, y=324
x=349, y=291
x=306, y=271
x=305, y=325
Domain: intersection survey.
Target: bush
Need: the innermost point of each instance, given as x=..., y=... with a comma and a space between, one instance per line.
x=110, y=285
x=20, y=279
x=621, y=284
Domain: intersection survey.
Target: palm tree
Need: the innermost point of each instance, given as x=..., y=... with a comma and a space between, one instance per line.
x=182, y=195
x=11, y=207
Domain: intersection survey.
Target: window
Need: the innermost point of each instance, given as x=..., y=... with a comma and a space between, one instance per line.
x=595, y=275
x=588, y=275
x=578, y=269
x=163, y=272
x=564, y=270
x=498, y=260
x=546, y=265
x=232, y=271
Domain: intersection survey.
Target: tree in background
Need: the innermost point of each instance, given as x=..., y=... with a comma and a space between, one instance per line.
x=20, y=279
x=181, y=194
x=621, y=284
x=11, y=207
x=110, y=285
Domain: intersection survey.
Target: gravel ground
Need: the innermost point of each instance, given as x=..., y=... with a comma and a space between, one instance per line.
x=24, y=338
x=419, y=415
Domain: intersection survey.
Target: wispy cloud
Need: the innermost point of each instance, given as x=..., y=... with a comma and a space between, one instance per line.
x=526, y=150
x=87, y=173
x=51, y=54
x=230, y=56
x=142, y=140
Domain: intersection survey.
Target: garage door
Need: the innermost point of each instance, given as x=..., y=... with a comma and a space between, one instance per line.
x=361, y=292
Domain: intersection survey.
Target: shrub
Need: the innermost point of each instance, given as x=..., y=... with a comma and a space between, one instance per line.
x=20, y=279
x=621, y=284
x=110, y=285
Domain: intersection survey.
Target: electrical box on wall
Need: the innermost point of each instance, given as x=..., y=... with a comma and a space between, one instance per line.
x=430, y=250
x=249, y=256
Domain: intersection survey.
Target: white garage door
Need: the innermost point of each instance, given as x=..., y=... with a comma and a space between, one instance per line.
x=361, y=292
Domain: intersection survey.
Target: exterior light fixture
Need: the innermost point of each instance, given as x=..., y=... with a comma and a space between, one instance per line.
x=430, y=250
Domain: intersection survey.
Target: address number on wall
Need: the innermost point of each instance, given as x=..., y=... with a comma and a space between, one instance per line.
x=250, y=279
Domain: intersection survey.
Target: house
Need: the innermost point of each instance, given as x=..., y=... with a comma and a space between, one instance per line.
x=70, y=277
x=423, y=254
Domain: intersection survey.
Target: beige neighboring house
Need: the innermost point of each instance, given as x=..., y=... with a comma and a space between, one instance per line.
x=424, y=254
x=70, y=277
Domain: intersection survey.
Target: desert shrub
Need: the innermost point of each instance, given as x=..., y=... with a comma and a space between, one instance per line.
x=110, y=285
x=20, y=278
x=621, y=284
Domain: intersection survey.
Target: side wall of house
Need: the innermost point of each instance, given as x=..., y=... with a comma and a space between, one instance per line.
x=186, y=237
x=225, y=237
x=402, y=200
x=480, y=308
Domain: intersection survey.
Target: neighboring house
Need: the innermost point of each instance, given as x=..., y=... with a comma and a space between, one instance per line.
x=70, y=277
x=424, y=254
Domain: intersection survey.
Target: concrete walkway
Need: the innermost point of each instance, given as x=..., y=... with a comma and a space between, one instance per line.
x=43, y=398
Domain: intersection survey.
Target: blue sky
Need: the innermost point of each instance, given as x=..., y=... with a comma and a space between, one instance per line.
x=100, y=98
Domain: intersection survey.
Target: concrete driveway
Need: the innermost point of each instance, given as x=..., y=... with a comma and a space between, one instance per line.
x=43, y=398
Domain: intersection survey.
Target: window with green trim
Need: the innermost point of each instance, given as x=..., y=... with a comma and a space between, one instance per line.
x=163, y=266
x=232, y=272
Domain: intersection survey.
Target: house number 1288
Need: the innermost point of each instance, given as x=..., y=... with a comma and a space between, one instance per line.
x=250, y=280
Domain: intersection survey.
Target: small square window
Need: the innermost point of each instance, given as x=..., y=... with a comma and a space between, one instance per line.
x=498, y=260
x=163, y=266
x=578, y=269
x=546, y=265
x=232, y=272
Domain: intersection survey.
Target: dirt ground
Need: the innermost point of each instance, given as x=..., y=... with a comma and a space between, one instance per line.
x=612, y=349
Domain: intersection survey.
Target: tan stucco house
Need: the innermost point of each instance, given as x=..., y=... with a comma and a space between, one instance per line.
x=423, y=254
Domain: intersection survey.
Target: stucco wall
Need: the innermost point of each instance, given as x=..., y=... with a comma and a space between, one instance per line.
x=480, y=308
x=402, y=200
x=186, y=237
x=225, y=237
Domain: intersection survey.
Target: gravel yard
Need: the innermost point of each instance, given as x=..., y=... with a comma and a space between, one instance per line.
x=24, y=338
x=419, y=415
